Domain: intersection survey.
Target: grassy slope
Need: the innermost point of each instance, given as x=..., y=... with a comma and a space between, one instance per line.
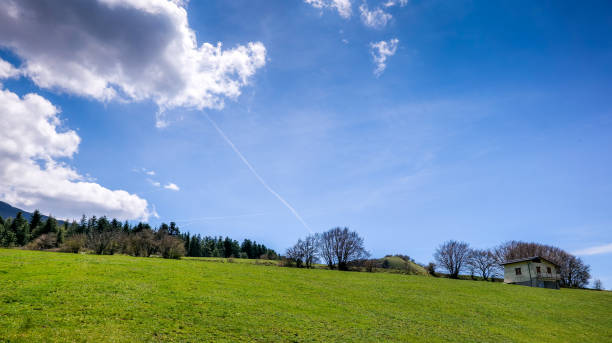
x=65, y=297
x=396, y=262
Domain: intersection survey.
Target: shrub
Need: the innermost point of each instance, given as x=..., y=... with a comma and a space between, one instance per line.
x=370, y=266
x=431, y=269
x=74, y=244
x=171, y=247
x=44, y=241
x=286, y=262
x=142, y=243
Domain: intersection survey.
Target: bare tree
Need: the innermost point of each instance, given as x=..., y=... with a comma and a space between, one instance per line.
x=483, y=262
x=597, y=285
x=340, y=245
x=453, y=256
x=295, y=254
x=309, y=250
x=304, y=252
x=574, y=273
x=326, y=249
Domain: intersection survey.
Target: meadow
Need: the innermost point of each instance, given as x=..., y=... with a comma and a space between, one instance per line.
x=47, y=296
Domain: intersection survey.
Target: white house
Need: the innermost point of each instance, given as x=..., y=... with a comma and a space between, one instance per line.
x=532, y=271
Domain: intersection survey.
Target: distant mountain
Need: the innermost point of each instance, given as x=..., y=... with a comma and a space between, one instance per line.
x=7, y=210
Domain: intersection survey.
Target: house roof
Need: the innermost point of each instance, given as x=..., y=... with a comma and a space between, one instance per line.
x=532, y=258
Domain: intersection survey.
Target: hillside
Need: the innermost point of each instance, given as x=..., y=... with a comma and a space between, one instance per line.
x=6, y=210
x=399, y=264
x=68, y=297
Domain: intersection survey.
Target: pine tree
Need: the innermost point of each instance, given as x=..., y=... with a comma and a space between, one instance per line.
x=61, y=234
x=21, y=230
x=126, y=227
x=83, y=225
x=72, y=229
x=50, y=226
x=246, y=247
x=173, y=230
x=35, y=221
x=186, y=243
x=7, y=237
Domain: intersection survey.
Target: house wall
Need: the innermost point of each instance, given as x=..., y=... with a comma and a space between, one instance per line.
x=529, y=275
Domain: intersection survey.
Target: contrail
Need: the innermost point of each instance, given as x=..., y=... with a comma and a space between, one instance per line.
x=261, y=180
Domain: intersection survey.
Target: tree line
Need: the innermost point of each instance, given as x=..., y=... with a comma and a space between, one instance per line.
x=197, y=246
x=339, y=248
x=456, y=257
x=107, y=237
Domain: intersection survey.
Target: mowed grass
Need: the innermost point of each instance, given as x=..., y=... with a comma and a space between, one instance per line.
x=69, y=297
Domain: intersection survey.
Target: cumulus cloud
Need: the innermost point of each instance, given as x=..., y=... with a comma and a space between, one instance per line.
x=127, y=50
x=381, y=51
x=596, y=250
x=171, y=186
x=342, y=6
x=32, y=173
x=376, y=18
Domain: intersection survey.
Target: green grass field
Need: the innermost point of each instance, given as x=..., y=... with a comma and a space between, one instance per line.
x=66, y=297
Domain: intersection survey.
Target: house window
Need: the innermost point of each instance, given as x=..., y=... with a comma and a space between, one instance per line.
x=548, y=270
x=518, y=271
x=538, y=270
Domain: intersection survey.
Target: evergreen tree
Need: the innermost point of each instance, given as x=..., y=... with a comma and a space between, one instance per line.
x=83, y=225
x=163, y=229
x=195, y=248
x=186, y=242
x=7, y=237
x=72, y=229
x=61, y=233
x=92, y=223
x=50, y=226
x=35, y=221
x=103, y=225
x=246, y=247
x=126, y=227
x=21, y=230
x=173, y=230
x=115, y=225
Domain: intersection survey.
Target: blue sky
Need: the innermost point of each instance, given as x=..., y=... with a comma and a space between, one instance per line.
x=491, y=121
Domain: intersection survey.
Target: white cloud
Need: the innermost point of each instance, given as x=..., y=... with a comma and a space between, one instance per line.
x=342, y=6
x=376, y=18
x=381, y=51
x=172, y=186
x=154, y=183
x=392, y=3
x=7, y=70
x=33, y=175
x=596, y=250
x=128, y=50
